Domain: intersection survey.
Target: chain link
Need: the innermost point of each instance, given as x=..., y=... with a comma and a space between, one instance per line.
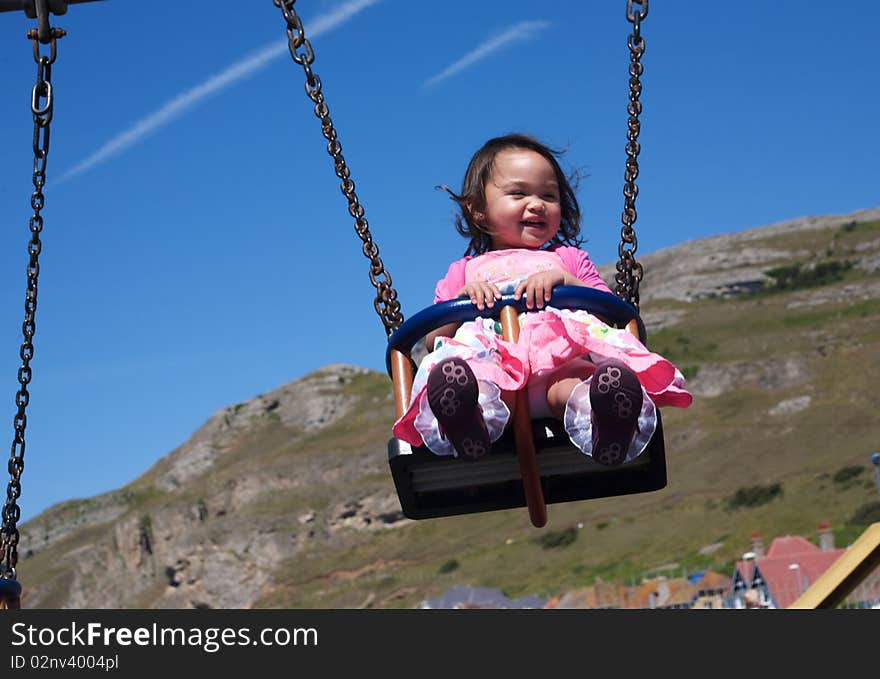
x=386, y=304
x=629, y=271
x=42, y=106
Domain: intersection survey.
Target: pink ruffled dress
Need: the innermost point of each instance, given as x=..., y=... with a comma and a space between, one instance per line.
x=548, y=339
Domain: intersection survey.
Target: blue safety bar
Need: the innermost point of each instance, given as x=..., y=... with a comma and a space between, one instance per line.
x=607, y=306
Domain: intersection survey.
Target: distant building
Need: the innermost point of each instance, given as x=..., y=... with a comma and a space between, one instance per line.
x=774, y=579
x=712, y=590
x=600, y=595
x=779, y=578
x=701, y=590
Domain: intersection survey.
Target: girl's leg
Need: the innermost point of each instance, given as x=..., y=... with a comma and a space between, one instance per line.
x=562, y=382
x=616, y=398
x=420, y=425
x=605, y=411
x=453, y=396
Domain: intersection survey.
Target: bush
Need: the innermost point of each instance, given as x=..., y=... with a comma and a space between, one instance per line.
x=449, y=566
x=796, y=276
x=754, y=496
x=690, y=371
x=146, y=533
x=558, y=538
x=844, y=474
x=866, y=514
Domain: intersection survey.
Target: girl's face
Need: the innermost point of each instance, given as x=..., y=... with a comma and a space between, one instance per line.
x=522, y=208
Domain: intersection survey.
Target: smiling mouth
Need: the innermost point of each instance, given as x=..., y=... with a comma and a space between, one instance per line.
x=527, y=222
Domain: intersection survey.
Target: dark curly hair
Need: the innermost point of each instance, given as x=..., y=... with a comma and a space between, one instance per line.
x=473, y=192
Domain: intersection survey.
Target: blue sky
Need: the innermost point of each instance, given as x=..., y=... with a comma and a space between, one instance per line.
x=197, y=251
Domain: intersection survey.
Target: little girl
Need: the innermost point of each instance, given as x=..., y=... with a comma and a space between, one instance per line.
x=521, y=215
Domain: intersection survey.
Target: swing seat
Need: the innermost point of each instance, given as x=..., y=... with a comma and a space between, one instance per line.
x=430, y=486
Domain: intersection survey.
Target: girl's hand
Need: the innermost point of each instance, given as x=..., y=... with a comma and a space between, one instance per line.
x=481, y=294
x=538, y=288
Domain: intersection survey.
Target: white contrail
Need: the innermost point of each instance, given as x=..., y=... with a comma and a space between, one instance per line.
x=186, y=100
x=524, y=30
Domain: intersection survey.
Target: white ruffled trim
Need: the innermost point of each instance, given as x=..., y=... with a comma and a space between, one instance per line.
x=495, y=414
x=579, y=426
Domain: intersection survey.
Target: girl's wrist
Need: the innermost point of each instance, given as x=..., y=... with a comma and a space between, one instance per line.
x=570, y=279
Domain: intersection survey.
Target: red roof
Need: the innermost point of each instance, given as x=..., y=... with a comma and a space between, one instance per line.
x=789, y=545
x=792, y=565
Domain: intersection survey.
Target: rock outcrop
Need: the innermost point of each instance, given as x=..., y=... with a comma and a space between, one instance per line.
x=733, y=263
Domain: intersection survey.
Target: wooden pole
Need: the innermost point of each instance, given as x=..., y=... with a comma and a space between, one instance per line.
x=402, y=378
x=522, y=431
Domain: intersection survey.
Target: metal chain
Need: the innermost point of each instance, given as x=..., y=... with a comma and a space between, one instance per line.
x=386, y=303
x=629, y=271
x=42, y=104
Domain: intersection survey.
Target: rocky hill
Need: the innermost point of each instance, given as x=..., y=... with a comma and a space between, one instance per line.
x=285, y=501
